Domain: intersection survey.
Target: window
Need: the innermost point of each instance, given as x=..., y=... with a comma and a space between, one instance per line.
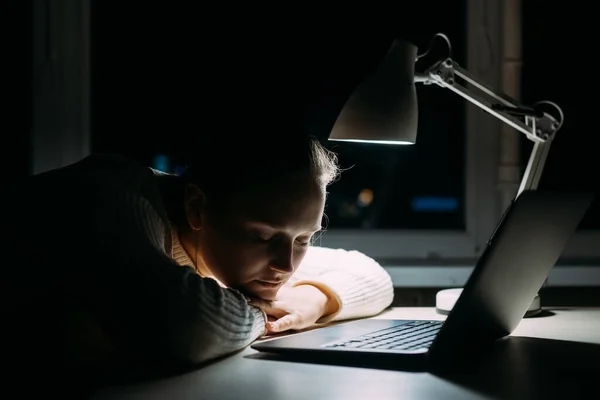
x=405, y=187
x=432, y=200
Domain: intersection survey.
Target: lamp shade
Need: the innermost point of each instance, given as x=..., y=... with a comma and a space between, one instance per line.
x=383, y=108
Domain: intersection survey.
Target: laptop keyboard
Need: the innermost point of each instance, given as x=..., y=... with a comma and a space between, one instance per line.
x=412, y=336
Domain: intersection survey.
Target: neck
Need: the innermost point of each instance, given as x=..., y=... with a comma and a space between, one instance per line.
x=189, y=240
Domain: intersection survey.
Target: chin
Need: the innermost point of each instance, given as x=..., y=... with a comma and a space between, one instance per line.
x=261, y=290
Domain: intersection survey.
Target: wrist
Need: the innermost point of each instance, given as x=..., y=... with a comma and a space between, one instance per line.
x=328, y=303
x=262, y=315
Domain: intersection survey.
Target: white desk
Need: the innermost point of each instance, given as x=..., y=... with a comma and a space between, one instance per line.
x=527, y=366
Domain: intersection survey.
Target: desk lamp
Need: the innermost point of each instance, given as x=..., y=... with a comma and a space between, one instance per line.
x=383, y=109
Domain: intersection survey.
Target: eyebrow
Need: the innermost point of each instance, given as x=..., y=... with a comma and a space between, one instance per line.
x=314, y=229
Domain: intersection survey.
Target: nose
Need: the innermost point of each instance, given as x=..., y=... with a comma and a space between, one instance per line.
x=282, y=258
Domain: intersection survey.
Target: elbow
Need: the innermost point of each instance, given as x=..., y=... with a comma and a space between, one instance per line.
x=388, y=289
x=389, y=295
x=204, y=339
x=384, y=300
x=381, y=281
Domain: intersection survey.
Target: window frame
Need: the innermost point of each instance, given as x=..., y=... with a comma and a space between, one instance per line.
x=61, y=107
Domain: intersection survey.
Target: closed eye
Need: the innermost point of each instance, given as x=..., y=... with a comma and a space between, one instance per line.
x=265, y=236
x=303, y=242
x=262, y=239
x=307, y=240
x=261, y=236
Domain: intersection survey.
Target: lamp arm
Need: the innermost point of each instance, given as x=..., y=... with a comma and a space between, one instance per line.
x=539, y=127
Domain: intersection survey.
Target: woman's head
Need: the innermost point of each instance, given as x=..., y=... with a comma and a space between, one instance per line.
x=253, y=206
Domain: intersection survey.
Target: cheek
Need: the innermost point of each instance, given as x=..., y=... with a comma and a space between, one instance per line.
x=299, y=256
x=232, y=262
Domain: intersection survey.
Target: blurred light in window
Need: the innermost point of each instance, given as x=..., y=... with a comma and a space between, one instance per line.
x=365, y=197
x=161, y=163
x=434, y=204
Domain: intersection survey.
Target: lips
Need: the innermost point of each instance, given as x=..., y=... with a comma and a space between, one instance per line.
x=271, y=284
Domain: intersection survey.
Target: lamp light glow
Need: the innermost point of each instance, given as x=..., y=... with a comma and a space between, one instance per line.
x=383, y=108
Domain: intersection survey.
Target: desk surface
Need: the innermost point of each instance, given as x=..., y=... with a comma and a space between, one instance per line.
x=553, y=356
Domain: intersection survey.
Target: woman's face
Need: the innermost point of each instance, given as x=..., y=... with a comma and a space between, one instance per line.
x=261, y=239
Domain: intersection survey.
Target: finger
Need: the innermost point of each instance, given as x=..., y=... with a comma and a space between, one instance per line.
x=273, y=308
x=260, y=303
x=287, y=322
x=269, y=307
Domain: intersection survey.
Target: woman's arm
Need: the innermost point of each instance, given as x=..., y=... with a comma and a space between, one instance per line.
x=360, y=285
x=152, y=305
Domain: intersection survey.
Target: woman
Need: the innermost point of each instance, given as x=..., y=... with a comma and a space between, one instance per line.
x=186, y=268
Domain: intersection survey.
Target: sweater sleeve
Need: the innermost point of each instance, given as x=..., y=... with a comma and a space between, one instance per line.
x=152, y=305
x=360, y=285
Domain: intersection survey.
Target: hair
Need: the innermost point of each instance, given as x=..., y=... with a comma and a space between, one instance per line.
x=228, y=167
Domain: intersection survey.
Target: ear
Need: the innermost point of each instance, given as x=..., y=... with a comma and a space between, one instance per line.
x=194, y=206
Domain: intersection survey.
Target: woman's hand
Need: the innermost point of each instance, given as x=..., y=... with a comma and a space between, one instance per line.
x=295, y=308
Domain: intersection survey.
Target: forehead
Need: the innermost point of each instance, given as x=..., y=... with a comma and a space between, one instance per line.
x=294, y=202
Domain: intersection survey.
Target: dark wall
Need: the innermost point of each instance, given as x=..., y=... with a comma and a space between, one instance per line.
x=156, y=68
x=15, y=81
x=558, y=52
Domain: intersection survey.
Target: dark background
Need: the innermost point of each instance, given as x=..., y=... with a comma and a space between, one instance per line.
x=156, y=66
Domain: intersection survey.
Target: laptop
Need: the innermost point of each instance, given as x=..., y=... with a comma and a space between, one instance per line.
x=525, y=245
